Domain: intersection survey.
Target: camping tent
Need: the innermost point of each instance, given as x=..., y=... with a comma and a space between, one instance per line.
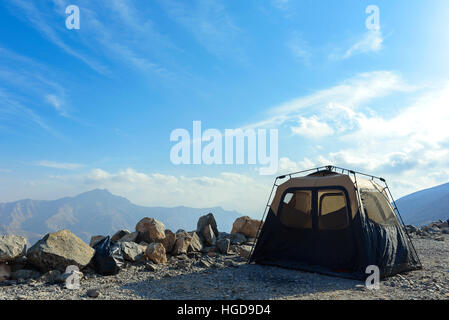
x=334, y=223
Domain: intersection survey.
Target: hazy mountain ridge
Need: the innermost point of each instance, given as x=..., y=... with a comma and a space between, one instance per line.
x=425, y=206
x=97, y=212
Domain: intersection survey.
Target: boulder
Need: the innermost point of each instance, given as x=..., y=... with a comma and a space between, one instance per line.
x=58, y=250
x=12, y=247
x=150, y=230
x=169, y=241
x=132, y=251
x=5, y=272
x=237, y=238
x=244, y=251
x=119, y=235
x=95, y=239
x=208, y=235
x=130, y=237
x=195, y=243
x=205, y=220
x=156, y=253
x=183, y=240
x=246, y=226
x=223, y=245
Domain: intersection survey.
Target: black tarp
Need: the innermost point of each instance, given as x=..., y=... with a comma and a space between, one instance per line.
x=108, y=258
x=344, y=253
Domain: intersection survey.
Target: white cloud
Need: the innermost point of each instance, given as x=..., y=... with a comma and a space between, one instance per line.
x=312, y=128
x=372, y=41
x=348, y=95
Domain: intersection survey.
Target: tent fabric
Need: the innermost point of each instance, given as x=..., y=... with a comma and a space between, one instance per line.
x=334, y=224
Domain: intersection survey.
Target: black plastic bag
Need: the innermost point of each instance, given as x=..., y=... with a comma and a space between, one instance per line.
x=108, y=258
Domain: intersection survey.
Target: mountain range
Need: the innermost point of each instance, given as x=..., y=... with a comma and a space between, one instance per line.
x=97, y=212
x=425, y=206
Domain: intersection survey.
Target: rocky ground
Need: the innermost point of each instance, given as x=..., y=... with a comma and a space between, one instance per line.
x=199, y=276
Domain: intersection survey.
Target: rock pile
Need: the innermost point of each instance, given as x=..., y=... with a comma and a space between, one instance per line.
x=151, y=244
x=435, y=230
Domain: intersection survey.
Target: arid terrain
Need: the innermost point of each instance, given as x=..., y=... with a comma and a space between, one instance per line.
x=229, y=277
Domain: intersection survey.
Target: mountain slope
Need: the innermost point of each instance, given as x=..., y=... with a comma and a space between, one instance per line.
x=97, y=212
x=425, y=206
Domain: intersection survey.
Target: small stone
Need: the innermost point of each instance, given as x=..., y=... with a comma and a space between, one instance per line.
x=151, y=267
x=93, y=293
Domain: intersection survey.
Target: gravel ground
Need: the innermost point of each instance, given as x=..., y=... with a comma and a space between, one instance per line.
x=228, y=277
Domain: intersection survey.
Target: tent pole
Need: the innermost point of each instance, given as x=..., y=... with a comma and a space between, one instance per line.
x=263, y=217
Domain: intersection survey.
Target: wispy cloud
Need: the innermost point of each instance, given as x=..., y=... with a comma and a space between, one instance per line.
x=13, y=112
x=209, y=23
x=348, y=95
x=299, y=48
x=59, y=165
x=372, y=41
x=45, y=25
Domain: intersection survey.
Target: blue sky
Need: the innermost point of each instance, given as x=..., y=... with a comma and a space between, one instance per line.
x=94, y=107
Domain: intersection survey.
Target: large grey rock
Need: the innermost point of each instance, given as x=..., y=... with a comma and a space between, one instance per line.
x=132, y=251
x=247, y=226
x=58, y=250
x=209, y=235
x=12, y=247
x=150, y=230
x=205, y=220
x=195, y=243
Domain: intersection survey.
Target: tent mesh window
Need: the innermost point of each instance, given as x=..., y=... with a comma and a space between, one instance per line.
x=333, y=212
x=377, y=208
x=296, y=210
